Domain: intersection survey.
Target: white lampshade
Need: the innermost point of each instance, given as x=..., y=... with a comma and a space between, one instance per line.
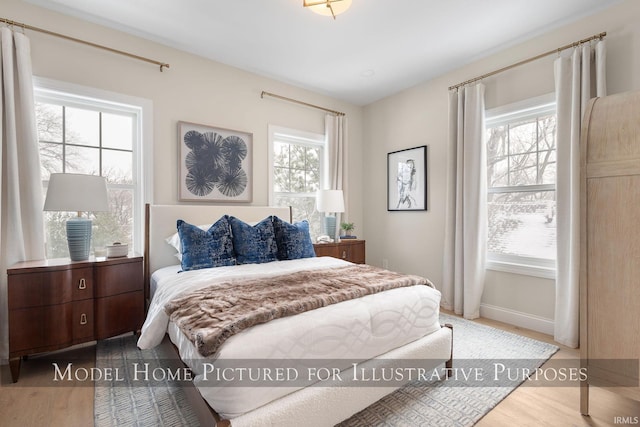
x=327, y=7
x=72, y=192
x=330, y=201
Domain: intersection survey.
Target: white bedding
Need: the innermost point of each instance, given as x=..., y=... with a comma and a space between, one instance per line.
x=357, y=329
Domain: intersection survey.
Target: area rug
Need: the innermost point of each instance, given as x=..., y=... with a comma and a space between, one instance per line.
x=445, y=403
x=133, y=403
x=449, y=403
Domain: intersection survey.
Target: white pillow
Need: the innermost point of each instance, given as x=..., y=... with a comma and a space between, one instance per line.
x=174, y=240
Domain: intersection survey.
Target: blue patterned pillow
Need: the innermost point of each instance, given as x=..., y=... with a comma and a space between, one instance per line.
x=254, y=244
x=206, y=248
x=293, y=240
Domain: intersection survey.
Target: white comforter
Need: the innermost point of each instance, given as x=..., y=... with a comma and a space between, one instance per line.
x=169, y=286
x=357, y=329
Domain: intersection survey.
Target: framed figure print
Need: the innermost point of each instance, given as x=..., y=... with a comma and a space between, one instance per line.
x=215, y=164
x=407, y=179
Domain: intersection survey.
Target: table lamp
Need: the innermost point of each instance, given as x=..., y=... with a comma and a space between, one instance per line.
x=73, y=192
x=330, y=202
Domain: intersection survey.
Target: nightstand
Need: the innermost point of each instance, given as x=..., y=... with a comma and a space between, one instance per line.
x=57, y=303
x=351, y=250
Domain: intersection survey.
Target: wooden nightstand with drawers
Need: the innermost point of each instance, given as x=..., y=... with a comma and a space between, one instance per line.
x=58, y=303
x=351, y=250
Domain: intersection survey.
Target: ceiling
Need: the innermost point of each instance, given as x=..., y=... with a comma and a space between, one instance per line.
x=375, y=49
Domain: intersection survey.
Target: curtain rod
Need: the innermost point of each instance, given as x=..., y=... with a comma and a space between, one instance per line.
x=542, y=55
x=62, y=36
x=273, y=95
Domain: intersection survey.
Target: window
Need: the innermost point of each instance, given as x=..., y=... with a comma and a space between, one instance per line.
x=296, y=172
x=98, y=136
x=521, y=200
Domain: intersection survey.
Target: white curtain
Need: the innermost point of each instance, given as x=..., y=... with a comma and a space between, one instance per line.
x=336, y=132
x=466, y=211
x=575, y=85
x=21, y=219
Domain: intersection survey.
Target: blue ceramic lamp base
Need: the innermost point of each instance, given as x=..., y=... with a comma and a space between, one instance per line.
x=330, y=226
x=79, y=238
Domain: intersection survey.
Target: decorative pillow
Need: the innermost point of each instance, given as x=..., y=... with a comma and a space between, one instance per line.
x=206, y=248
x=293, y=240
x=174, y=240
x=254, y=244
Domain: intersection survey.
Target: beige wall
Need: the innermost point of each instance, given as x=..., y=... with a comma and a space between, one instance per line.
x=412, y=241
x=193, y=89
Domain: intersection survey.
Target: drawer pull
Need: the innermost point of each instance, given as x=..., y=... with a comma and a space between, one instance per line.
x=82, y=284
x=83, y=319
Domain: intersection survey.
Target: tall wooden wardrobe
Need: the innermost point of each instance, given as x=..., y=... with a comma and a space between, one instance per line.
x=610, y=245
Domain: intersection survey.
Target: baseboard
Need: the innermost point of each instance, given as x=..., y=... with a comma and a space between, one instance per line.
x=517, y=318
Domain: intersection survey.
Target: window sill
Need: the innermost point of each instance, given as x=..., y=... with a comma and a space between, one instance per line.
x=523, y=269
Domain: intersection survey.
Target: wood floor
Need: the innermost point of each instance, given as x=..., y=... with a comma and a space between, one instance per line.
x=557, y=406
x=28, y=404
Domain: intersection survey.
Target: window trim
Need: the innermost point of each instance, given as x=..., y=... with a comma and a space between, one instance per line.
x=88, y=97
x=522, y=110
x=526, y=266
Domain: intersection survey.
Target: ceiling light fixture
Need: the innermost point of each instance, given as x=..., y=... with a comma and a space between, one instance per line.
x=327, y=7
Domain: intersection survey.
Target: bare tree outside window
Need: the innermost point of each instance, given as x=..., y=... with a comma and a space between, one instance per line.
x=297, y=176
x=521, y=168
x=77, y=140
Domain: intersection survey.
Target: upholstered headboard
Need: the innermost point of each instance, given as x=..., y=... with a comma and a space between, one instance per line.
x=160, y=223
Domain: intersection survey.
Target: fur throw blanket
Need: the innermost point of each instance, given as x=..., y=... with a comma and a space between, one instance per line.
x=211, y=315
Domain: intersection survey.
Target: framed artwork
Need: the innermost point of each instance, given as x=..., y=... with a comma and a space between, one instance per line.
x=407, y=179
x=215, y=164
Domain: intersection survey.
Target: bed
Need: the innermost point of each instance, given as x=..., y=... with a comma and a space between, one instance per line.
x=348, y=337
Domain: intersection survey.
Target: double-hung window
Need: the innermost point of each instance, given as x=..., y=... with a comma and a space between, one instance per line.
x=521, y=199
x=296, y=163
x=96, y=136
